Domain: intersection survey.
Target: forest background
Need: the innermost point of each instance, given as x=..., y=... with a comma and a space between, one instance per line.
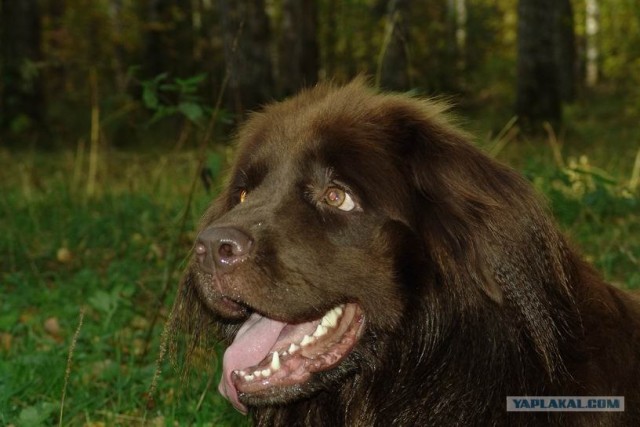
x=110, y=111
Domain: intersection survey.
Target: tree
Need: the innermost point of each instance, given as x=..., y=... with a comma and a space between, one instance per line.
x=457, y=16
x=168, y=38
x=21, y=100
x=393, y=67
x=298, y=51
x=592, y=27
x=538, y=94
x=565, y=50
x=246, y=37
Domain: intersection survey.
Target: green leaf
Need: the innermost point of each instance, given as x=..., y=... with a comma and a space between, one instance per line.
x=192, y=81
x=150, y=97
x=103, y=301
x=36, y=415
x=191, y=110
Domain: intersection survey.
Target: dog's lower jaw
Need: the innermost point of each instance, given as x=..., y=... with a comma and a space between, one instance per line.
x=294, y=362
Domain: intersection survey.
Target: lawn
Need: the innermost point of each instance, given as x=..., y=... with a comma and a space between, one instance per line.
x=87, y=280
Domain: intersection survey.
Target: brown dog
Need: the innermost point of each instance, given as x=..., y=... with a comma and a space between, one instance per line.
x=367, y=266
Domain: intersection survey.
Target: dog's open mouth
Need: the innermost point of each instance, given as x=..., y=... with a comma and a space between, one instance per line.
x=267, y=355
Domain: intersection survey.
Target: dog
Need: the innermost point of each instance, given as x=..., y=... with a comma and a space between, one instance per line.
x=366, y=265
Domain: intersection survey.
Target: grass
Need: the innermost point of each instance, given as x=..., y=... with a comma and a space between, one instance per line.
x=63, y=253
x=108, y=256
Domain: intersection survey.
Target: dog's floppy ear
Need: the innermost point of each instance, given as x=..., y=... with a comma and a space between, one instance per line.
x=482, y=224
x=477, y=216
x=457, y=192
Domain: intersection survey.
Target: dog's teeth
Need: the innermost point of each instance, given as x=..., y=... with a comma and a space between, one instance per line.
x=338, y=310
x=320, y=331
x=249, y=377
x=330, y=320
x=275, y=361
x=293, y=348
x=306, y=340
x=241, y=373
x=257, y=374
x=266, y=372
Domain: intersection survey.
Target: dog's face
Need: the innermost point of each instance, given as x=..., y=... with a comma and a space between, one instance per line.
x=312, y=234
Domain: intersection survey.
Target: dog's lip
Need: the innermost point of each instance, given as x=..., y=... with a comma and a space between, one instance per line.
x=230, y=308
x=291, y=362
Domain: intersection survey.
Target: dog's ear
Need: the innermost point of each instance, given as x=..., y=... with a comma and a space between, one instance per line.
x=458, y=194
x=482, y=224
x=476, y=215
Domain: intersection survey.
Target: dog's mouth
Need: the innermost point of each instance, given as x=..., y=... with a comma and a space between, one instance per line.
x=268, y=357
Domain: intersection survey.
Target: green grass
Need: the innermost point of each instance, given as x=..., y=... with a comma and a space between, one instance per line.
x=63, y=252
x=109, y=256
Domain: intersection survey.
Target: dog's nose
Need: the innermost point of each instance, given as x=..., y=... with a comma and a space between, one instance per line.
x=222, y=248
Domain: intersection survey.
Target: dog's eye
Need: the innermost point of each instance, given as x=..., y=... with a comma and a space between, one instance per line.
x=338, y=198
x=243, y=195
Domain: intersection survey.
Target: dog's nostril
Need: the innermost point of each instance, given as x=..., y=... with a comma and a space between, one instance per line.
x=225, y=251
x=222, y=248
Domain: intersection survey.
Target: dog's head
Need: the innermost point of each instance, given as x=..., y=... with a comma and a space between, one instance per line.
x=348, y=216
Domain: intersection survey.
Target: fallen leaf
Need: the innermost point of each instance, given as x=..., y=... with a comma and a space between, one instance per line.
x=5, y=341
x=52, y=326
x=64, y=255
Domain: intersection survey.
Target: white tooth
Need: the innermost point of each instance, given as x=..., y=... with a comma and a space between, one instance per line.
x=338, y=310
x=330, y=320
x=266, y=372
x=241, y=373
x=293, y=348
x=320, y=331
x=306, y=340
x=248, y=377
x=284, y=353
x=257, y=374
x=275, y=361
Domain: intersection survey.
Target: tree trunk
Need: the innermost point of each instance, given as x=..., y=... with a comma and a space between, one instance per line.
x=329, y=44
x=591, y=30
x=21, y=96
x=298, y=52
x=537, y=97
x=393, y=68
x=246, y=37
x=461, y=34
x=169, y=38
x=565, y=51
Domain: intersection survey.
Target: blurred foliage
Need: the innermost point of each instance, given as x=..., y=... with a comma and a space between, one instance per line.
x=182, y=40
x=178, y=97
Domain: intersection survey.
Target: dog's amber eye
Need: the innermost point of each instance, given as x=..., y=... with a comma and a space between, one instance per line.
x=243, y=195
x=338, y=198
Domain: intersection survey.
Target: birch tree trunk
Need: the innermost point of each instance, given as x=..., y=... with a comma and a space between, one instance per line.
x=591, y=30
x=461, y=33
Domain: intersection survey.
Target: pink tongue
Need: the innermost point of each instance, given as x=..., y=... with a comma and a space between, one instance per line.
x=251, y=345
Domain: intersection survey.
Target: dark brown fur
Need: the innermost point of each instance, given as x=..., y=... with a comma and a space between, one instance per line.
x=470, y=293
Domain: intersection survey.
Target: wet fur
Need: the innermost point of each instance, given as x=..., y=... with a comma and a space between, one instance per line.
x=470, y=292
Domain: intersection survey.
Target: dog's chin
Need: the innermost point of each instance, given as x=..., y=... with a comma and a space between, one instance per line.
x=273, y=362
